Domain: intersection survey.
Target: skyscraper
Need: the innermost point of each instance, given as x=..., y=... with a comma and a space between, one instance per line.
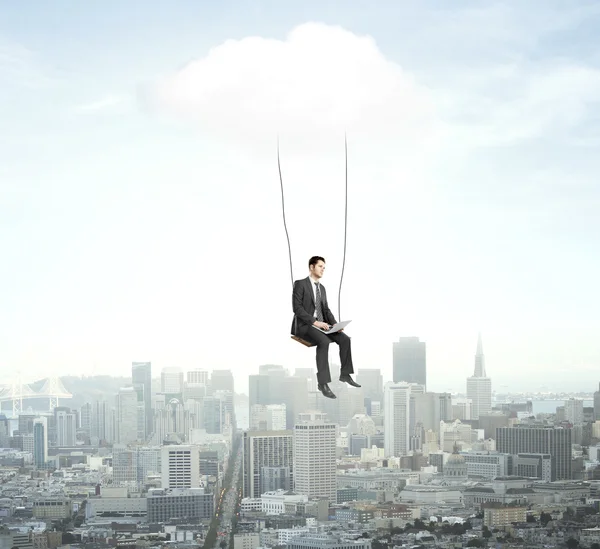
x=127, y=415
x=269, y=417
x=222, y=380
x=295, y=397
x=4, y=431
x=574, y=411
x=171, y=382
x=410, y=361
x=85, y=414
x=315, y=459
x=310, y=374
x=479, y=386
x=197, y=377
x=40, y=441
x=597, y=405
x=396, y=398
x=258, y=390
x=215, y=412
x=265, y=449
x=372, y=382
x=100, y=427
x=141, y=378
x=222, y=383
x=429, y=409
x=66, y=426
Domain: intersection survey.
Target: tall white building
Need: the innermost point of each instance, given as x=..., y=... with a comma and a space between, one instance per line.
x=269, y=417
x=180, y=466
x=396, y=399
x=479, y=386
x=127, y=415
x=66, y=428
x=100, y=428
x=171, y=381
x=315, y=459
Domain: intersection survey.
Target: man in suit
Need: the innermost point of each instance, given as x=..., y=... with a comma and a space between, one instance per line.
x=309, y=301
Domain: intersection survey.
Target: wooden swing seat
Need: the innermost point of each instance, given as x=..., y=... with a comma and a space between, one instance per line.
x=303, y=341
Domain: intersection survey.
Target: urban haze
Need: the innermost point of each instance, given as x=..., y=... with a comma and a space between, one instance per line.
x=441, y=157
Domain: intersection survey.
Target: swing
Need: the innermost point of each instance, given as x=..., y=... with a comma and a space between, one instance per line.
x=295, y=337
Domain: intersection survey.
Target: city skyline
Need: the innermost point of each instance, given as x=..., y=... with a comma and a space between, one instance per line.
x=140, y=188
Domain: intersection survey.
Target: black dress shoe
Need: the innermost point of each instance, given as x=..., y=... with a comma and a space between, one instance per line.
x=326, y=391
x=348, y=379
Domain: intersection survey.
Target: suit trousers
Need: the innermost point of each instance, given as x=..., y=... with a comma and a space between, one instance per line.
x=323, y=340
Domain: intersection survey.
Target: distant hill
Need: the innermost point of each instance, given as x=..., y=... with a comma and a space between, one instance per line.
x=84, y=389
x=89, y=389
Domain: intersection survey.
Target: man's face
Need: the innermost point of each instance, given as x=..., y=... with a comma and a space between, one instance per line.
x=318, y=270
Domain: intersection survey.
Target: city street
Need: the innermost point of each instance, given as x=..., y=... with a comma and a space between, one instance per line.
x=227, y=505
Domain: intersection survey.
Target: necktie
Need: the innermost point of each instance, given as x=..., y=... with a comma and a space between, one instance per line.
x=318, y=304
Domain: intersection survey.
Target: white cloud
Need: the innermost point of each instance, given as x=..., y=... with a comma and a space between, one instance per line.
x=321, y=78
x=107, y=102
x=507, y=104
x=21, y=66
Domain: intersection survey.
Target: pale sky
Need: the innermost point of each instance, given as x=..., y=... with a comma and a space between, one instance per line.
x=140, y=210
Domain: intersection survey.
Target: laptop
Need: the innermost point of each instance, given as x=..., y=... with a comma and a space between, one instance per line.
x=335, y=328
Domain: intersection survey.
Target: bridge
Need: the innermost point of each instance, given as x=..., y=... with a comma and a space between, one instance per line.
x=52, y=389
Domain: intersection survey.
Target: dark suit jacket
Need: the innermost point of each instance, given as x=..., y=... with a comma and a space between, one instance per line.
x=303, y=303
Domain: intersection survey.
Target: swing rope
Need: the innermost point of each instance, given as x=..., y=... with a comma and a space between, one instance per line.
x=345, y=223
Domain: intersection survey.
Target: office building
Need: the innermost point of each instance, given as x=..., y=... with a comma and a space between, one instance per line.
x=102, y=429
x=180, y=466
x=127, y=415
x=85, y=417
x=40, y=441
x=192, y=504
x=479, y=386
x=215, y=413
x=315, y=460
x=4, y=431
x=597, y=404
x=410, y=361
x=539, y=439
x=132, y=465
x=171, y=382
x=574, y=411
x=270, y=417
x=26, y=423
x=275, y=478
x=141, y=379
x=66, y=426
x=197, y=377
x=222, y=380
x=310, y=374
x=372, y=383
x=265, y=449
x=294, y=395
x=396, y=398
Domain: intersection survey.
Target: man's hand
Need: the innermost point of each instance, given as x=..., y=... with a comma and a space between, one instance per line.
x=322, y=325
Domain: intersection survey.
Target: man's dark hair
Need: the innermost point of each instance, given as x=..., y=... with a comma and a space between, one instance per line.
x=314, y=260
